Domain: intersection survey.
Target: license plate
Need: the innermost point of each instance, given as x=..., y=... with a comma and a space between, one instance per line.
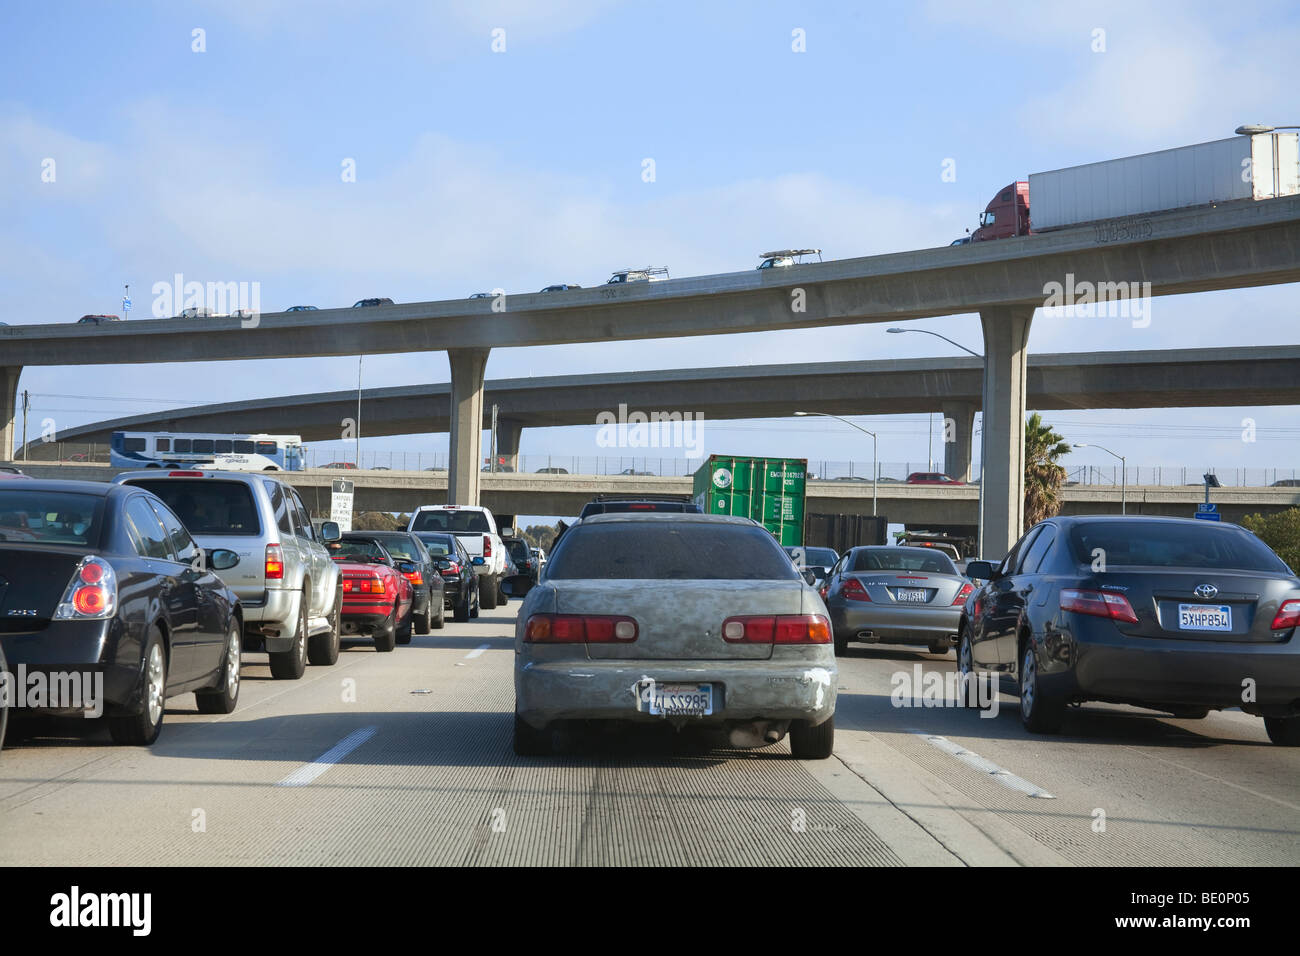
x=910, y=595
x=1204, y=617
x=682, y=700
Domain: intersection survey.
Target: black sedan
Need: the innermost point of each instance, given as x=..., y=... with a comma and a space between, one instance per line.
x=428, y=610
x=456, y=568
x=105, y=594
x=1171, y=614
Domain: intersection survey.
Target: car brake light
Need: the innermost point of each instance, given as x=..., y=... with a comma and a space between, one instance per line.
x=274, y=562
x=363, y=585
x=854, y=591
x=487, y=546
x=186, y=474
x=963, y=594
x=414, y=577
x=777, y=629
x=91, y=594
x=453, y=570
x=580, y=629
x=1288, y=615
x=1098, y=604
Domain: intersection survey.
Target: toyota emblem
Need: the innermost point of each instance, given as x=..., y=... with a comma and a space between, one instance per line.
x=1206, y=591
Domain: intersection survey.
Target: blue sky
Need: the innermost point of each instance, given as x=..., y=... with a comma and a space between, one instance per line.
x=477, y=169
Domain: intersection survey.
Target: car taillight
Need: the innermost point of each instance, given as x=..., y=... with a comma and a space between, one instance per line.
x=963, y=594
x=487, y=546
x=580, y=629
x=274, y=562
x=854, y=591
x=91, y=594
x=453, y=570
x=777, y=629
x=360, y=585
x=1288, y=615
x=415, y=577
x=1098, y=604
x=185, y=474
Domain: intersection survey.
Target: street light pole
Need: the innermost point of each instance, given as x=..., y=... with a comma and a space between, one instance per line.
x=1123, y=468
x=875, y=460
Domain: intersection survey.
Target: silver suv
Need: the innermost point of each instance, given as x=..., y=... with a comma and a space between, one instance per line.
x=288, y=585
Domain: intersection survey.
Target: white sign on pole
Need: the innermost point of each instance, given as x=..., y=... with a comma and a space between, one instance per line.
x=341, y=503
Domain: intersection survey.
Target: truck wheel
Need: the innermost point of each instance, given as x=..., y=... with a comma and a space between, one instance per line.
x=487, y=592
x=386, y=633
x=292, y=664
x=812, y=743
x=224, y=695
x=323, y=649
x=142, y=729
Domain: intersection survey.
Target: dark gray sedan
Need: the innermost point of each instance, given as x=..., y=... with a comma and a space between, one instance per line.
x=896, y=595
x=679, y=619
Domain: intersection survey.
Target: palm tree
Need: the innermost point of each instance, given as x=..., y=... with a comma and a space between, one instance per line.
x=1043, y=476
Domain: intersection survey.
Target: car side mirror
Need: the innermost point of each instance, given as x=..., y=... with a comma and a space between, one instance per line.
x=981, y=570
x=406, y=567
x=507, y=532
x=808, y=576
x=222, y=559
x=329, y=531
x=442, y=564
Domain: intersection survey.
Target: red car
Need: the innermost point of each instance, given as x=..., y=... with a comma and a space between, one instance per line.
x=377, y=597
x=931, y=478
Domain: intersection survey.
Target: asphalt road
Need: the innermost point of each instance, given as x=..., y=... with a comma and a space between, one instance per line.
x=405, y=758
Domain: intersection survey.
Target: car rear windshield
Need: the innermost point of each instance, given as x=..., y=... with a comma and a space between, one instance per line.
x=670, y=551
x=1172, y=545
x=363, y=548
x=518, y=550
x=632, y=507
x=400, y=546
x=457, y=522
x=50, y=517
x=903, y=559
x=207, y=506
x=437, y=543
x=816, y=557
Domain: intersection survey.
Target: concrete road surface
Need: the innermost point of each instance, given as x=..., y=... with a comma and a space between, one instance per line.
x=405, y=758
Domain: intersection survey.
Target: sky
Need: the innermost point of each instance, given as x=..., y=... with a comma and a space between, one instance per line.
x=215, y=139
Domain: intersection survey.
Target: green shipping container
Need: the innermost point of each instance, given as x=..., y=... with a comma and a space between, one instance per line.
x=772, y=491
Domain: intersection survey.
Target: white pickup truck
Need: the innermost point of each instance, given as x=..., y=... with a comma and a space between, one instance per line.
x=478, y=532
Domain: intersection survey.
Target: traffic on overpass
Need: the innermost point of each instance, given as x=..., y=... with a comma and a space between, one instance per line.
x=962, y=530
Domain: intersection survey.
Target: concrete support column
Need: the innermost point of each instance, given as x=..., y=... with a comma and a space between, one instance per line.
x=958, y=423
x=465, y=443
x=8, y=409
x=509, y=432
x=1006, y=339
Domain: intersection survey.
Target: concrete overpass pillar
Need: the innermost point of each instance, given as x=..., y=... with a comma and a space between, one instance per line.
x=8, y=409
x=1006, y=339
x=509, y=432
x=465, y=444
x=957, y=436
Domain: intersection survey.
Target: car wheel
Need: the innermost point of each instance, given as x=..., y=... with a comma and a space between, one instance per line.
x=292, y=664
x=965, y=669
x=473, y=612
x=460, y=612
x=1040, y=712
x=405, y=629
x=386, y=634
x=142, y=729
x=4, y=704
x=808, y=742
x=1283, y=731
x=225, y=693
x=421, y=622
x=487, y=592
x=529, y=741
x=323, y=649
x=841, y=645
x=439, y=622
x=940, y=647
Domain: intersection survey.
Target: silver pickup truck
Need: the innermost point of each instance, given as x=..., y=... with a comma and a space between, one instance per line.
x=287, y=583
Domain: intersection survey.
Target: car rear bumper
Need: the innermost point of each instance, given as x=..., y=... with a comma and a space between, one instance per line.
x=104, y=665
x=893, y=624
x=1103, y=664
x=618, y=690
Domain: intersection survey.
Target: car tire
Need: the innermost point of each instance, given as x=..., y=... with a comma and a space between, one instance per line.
x=4, y=704
x=142, y=729
x=1283, y=731
x=529, y=741
x=460, y=613
x=487, y=592
x=386, y=635
x=292, y=664
x=1040, y=712
x=439, y=622
x=406, y=629
x=965, y=669
x=323, y=649
x=841, y=645
x=224, y=695
x=808, y=742
x=940, y=647
x=475, y=607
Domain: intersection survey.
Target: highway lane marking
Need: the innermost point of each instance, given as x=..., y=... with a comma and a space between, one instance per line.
x=972, y=759
x=310, y=771
x=477, y=651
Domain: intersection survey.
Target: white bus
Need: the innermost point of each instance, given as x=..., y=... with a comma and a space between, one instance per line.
x=231, y=452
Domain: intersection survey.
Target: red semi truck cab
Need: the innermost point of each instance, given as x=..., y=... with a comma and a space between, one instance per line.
x=1006, y=215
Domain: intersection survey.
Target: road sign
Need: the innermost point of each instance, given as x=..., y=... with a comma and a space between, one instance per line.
x=341, y=503
x=1209, y=516
x=126, y=305
x=1207, y=507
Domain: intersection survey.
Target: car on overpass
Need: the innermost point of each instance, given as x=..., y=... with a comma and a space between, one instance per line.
x=368, y=303
x=630, y=625
x=344, y=465
x=1170, y=614
x=932, y=478
x=98, y=319
x=302, y=308
x=201, y=312
x=784, y=258
x=551, y=471
x=562, y=287
x=648, y=274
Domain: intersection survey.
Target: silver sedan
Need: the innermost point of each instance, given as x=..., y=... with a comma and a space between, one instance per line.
x=896, y=595
x=688, y=620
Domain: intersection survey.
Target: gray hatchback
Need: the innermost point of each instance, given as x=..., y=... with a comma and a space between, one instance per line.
x=684, y=619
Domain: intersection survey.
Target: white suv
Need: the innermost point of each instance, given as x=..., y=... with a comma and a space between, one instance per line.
x=478, y=532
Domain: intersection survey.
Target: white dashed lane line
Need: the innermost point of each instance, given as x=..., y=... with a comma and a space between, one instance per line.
x=310, y=771
x=477, y=651
x=974, y=760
